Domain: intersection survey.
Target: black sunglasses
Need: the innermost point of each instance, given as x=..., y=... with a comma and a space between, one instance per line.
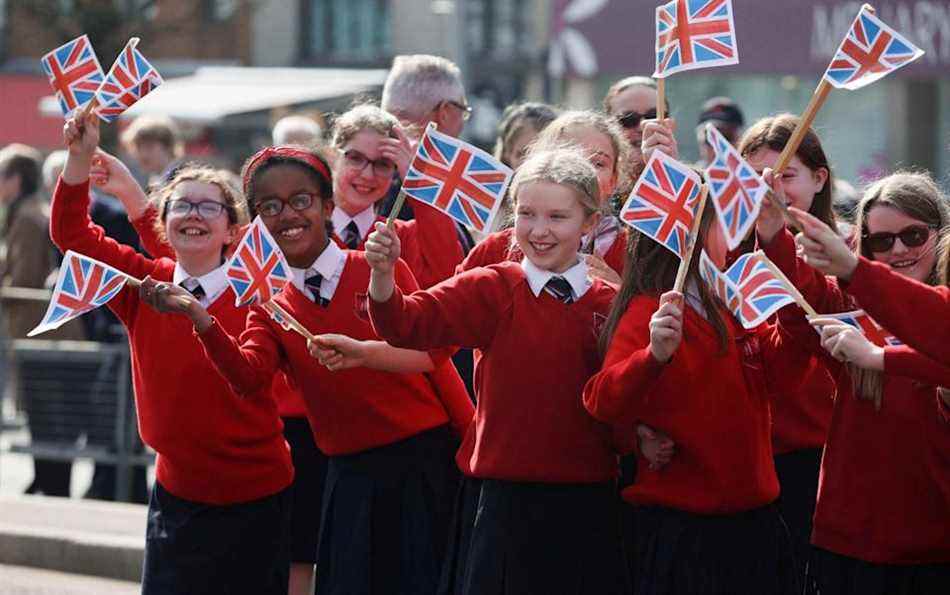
x=632, y=119
x=911, y=236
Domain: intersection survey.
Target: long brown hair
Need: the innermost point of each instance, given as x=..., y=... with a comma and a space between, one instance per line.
x=916, y=195
x=774, y=132
x=651, y=268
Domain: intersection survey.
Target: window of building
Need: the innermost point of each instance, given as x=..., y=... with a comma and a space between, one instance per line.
x=348, y=30
x=497, y=28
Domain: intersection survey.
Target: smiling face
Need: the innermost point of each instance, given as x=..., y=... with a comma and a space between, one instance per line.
x=637, y=99
x=915, y=262
x=356, y=189
x=193, y=237
x=301, y=235
x=601, y=154
x=801, y=183
x=549, y=224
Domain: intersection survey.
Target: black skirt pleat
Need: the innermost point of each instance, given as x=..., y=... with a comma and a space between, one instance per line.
x=680, y=553
x=310, y=473
x=841, y=575
x=797, y=473
x=386, y=514
x=532, y=538
x=460, y=535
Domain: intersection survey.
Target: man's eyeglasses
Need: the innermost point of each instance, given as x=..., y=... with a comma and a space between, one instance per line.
x=206, y=209
x=272, y=207
x=466, y=109
x=911, y=236
x=632, y=119
x=382, y=168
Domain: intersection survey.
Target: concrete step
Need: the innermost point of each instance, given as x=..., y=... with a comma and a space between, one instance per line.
x=22, y=580
x=103, y=539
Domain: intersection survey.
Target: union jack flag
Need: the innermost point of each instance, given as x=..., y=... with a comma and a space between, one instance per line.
x=694, y=34
x=74, y=73
x=868, y=52
x=663, y=202
x=131, y=78
x=718, y=282
x=736, y=189
x=460, y=180
x=868, y=327
x=258, y=270
x=83, y=284
x=761, y=293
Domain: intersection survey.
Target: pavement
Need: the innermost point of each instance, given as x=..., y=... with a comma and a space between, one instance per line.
x=22, y=580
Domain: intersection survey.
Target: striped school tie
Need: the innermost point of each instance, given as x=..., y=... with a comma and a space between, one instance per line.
x=198, y=291
x=313, y=283
x=351, y=235
x=560, y=288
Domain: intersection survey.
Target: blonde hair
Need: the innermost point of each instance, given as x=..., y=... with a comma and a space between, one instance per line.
x=558, y=131
x=916, y=195
x=234, y=202
x=359, y=118
x=566, y=166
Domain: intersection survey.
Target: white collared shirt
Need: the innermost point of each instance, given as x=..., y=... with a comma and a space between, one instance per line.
x=213, y=283
x=576, y=276
x=364, y=221
x=329, y=265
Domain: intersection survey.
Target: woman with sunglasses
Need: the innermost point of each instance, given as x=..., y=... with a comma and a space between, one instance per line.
x=372, y=150
x=883, y=507
x=631, y=102
x=893, y=299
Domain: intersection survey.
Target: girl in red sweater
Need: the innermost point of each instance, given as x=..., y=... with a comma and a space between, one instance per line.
x=382, y=424
x=707, y=522
x=219, y=511
x=607, y=151
x=547, y=512
x=890, y=431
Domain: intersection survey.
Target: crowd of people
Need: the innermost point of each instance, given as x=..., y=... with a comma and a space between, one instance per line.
x=532, y=409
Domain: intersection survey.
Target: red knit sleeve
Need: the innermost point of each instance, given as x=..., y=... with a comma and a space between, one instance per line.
x=459, y=311
x=820, y=291
x=491, y=250
x=248, y=365
x=153, y=244
x=902, y=360
x=630, y=372
x=917, y=314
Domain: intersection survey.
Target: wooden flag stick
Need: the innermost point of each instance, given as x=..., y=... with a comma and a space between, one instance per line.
x=290, y=323
x=691, y=246
x=660, y=99
x=401, y=197
x=817, y=100
x=799, y=298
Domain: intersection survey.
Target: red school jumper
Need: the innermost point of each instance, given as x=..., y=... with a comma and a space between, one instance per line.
x=430, y=244
x=501, y=246
x=530, y=424
x=349, y=410
x=213, y=446
x=714, y=405
x=884, y=492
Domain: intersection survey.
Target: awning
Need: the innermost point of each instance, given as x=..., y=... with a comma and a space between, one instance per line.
x=213, y=93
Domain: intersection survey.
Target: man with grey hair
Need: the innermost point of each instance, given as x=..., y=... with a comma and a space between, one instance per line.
x=421, y=88
x=296, y=129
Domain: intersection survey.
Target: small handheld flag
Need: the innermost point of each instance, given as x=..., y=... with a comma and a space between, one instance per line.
x=258, y=270
x=83, y=284
x=663, y=202
x=718, y=282
x=693, y=34
x=869, y=51
x=761, y=292
x=74, y=73
x=868, y=327
x=131, y=78
x=457, y=178
x=736, y=189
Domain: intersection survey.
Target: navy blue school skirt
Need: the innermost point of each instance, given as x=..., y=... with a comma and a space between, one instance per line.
x=543, y=538
x=310, y=473
x=386, y=514
x=205, y=549
x=681, y=553
x=460, y=535
x=797, y=473
x=841, y=575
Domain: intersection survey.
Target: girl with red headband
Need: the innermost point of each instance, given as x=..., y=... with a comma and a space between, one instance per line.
x=219, y=511
x=376, y=415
